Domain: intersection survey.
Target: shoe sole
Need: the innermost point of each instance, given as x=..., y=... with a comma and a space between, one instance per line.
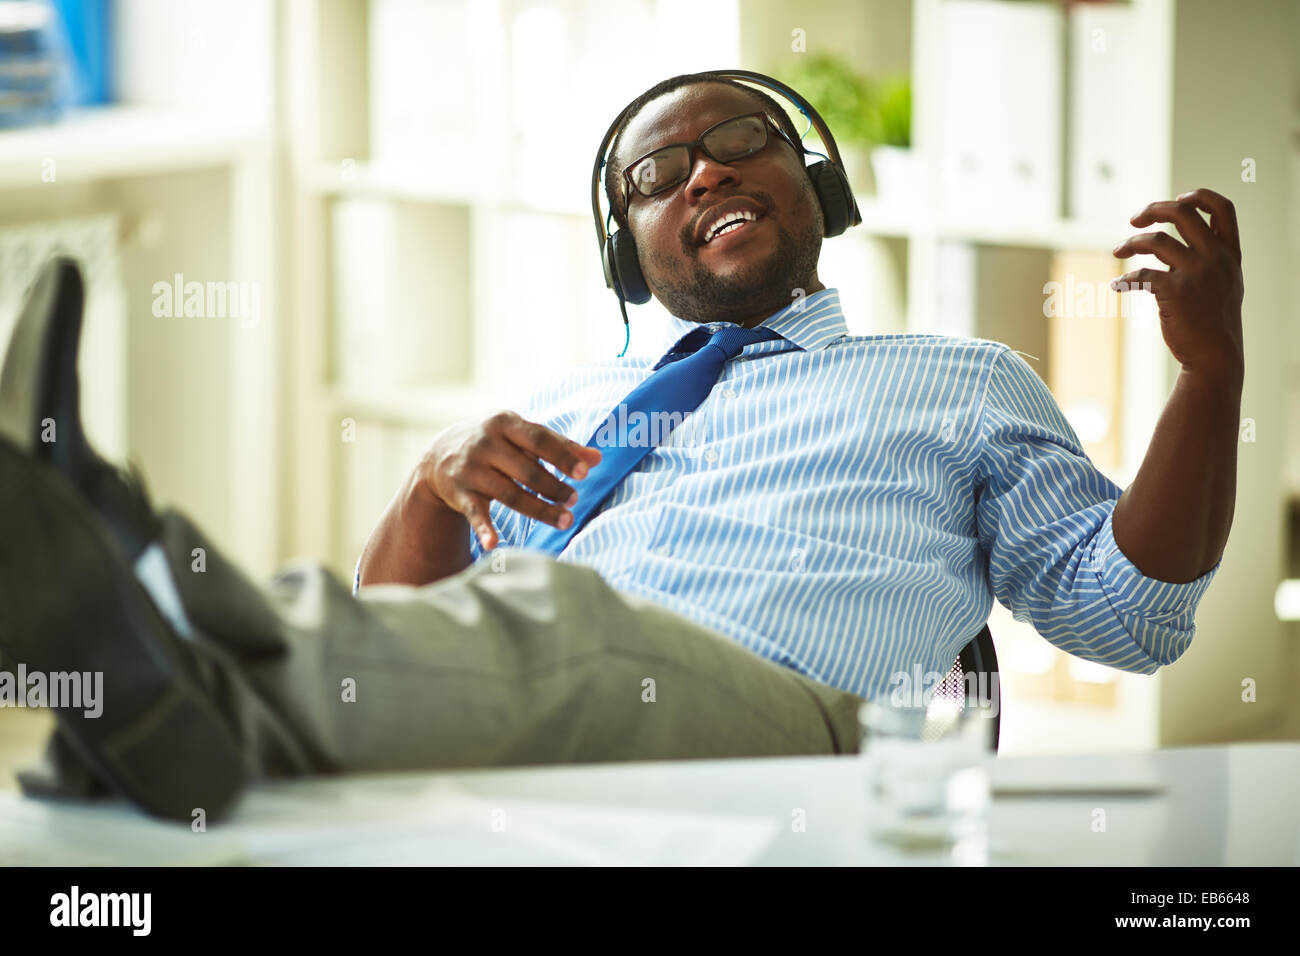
x=70, y=603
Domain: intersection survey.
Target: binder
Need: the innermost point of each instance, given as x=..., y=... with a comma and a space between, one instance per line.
x=1108, y=150
x=1000, y=95
x=1085, y=365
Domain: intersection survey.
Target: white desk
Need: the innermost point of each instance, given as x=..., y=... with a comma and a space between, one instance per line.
x=1234, y=805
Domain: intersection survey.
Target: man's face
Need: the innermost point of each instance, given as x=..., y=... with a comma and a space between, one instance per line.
x=732, y=278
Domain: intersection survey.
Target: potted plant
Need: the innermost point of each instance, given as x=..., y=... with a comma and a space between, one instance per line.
x=890, y=130
x=844, y=99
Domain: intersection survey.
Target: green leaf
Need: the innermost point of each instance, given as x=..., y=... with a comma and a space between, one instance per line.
x=860, y=110
x=842, y=96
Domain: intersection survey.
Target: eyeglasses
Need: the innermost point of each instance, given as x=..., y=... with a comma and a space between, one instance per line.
x=733, y=139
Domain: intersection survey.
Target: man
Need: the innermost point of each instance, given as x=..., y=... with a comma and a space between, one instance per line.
x=843, y=514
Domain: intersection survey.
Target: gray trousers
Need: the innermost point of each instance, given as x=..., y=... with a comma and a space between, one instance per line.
x=519, y=659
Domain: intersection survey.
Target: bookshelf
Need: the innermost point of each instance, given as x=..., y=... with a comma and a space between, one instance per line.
x=355, y=133
x=172, y=190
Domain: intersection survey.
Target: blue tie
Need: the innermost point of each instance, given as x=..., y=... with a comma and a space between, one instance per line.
x=681, y=380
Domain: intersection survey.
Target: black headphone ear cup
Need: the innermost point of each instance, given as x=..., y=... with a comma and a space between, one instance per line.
x=835, y=194
x=623, y=268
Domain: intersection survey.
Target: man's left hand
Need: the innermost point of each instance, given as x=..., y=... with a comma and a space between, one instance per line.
x=1199, y=295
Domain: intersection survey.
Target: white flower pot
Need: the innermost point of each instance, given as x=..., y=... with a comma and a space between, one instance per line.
x=895, y=171
x=856, y=161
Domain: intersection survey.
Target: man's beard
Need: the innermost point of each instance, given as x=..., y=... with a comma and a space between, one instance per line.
x=771, y=281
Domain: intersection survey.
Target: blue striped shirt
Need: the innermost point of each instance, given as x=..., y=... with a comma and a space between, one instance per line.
x=849, y=505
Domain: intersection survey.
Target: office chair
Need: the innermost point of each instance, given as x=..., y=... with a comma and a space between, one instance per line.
x=978, y=657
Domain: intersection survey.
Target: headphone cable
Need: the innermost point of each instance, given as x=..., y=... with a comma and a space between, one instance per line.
x=627, y=332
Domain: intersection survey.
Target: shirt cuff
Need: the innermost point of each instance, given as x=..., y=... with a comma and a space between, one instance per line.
x=1129, y=590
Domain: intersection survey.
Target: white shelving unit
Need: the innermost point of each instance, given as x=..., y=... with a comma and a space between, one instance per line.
x=495, y=141
x=530, y=248
x=93, y=144
x=189, y=191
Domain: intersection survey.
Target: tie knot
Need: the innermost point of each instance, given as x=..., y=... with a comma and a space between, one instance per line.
x=734, y=338
x=730, y=339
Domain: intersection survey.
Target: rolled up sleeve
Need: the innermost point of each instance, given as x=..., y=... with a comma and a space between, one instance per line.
x=1045, y=518
x=1161, y=613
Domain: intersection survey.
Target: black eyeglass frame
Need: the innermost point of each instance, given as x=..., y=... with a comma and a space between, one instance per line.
x=698, y=143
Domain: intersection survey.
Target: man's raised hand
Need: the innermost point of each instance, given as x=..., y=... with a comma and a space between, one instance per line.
x=1199, y=295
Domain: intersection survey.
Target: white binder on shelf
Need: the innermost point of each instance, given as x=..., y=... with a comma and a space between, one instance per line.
x=1108, y=150
x=401, y=295
x=364, y=332
x=424, y=84
x=1000, y=92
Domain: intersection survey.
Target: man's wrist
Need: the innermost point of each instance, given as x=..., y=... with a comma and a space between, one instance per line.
x=421, y=505
x=426, y=523
x=1223, y=384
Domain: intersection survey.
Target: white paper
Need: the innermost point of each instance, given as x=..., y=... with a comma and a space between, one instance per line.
x=447, y=827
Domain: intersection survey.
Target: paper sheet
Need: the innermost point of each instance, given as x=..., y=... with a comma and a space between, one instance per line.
x=453, y=828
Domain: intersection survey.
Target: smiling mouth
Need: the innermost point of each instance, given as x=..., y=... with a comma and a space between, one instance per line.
x=731, y=234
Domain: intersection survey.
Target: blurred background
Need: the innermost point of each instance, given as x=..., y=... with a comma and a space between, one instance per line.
x=315, y=232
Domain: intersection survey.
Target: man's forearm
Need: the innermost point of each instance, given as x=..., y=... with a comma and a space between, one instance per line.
x=418, y=541
x=1173, y=521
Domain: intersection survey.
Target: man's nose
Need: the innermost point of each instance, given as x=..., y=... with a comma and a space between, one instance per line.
x=708, y=174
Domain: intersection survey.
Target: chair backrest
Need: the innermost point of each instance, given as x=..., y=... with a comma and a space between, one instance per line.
x=980, y=658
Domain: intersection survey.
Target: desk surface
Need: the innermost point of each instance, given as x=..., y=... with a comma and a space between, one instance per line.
x=1233, y=805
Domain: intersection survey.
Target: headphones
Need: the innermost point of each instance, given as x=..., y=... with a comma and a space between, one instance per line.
x=618, y=251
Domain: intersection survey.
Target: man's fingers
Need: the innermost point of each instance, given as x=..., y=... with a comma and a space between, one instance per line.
x=1223, y=215
x=1159, y=244
x=1195, y=231
x=475, y=510
x=526, y=470
x=541, y=442
x=510, y=471
x=504, y=490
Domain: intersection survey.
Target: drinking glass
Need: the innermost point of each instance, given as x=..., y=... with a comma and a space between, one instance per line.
x=926, y=775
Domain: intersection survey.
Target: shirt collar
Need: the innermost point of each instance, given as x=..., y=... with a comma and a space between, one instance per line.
x=812, y=323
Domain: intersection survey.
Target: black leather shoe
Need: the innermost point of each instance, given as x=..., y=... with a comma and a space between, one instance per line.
x=148, y=672
x=70, y=603
x=40, y=401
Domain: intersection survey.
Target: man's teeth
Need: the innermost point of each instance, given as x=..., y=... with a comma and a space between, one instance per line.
x=736, y=221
